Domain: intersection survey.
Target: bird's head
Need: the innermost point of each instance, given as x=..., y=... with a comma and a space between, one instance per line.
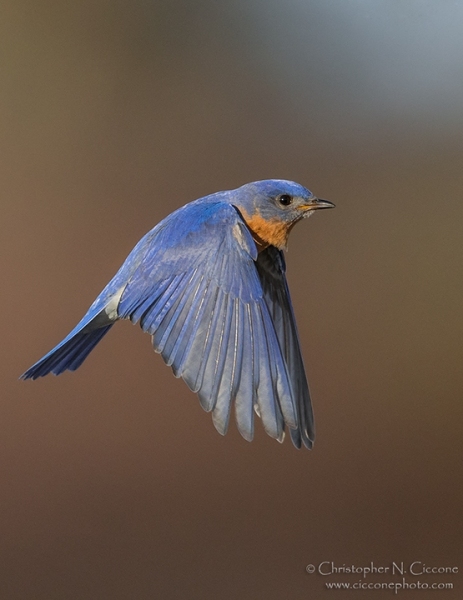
x=272, y=207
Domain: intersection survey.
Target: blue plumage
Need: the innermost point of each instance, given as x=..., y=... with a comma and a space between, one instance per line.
x=208, y=284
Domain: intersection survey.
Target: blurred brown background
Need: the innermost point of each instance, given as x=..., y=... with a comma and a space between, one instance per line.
x=114, y=483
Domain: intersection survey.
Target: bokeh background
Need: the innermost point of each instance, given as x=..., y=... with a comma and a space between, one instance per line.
x=114, y=483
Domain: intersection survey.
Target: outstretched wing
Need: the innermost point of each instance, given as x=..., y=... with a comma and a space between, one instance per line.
x=197, y=291
x=271, y=268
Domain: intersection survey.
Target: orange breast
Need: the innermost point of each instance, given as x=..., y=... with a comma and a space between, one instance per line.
x=267, y=232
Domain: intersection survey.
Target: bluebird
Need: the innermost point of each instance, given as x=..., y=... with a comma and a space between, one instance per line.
x=208, y=284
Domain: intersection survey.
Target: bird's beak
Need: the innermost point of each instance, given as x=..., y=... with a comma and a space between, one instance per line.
x=315, y=204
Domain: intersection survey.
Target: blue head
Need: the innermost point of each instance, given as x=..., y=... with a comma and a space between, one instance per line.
x=273, y=206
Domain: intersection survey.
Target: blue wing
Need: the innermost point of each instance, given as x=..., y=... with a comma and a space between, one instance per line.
x=223, y=325
x=198, y=293
x=271, y=267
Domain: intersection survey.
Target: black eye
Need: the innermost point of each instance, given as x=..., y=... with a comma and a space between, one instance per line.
x=285, y=199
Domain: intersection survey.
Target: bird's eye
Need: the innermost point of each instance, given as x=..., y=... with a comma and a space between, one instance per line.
x=285, y=199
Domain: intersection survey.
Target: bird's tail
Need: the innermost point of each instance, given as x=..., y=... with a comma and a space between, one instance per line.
x=69, y=354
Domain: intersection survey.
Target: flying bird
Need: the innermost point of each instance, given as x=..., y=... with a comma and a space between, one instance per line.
x=208, y=284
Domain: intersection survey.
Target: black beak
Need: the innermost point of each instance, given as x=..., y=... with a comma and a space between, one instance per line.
x=317, y=203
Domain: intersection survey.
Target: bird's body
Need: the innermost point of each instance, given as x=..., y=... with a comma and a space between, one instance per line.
x=208, y=283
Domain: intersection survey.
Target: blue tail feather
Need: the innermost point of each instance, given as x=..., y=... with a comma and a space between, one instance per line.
x=69, y=354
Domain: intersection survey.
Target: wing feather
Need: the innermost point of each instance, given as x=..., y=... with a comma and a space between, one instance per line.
x=245, y=395
x=186, y=326
x=215, y=319
x=216, y=358
x=267, y=403
x=227, y=368
x=192, y=364
x=271, y=267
